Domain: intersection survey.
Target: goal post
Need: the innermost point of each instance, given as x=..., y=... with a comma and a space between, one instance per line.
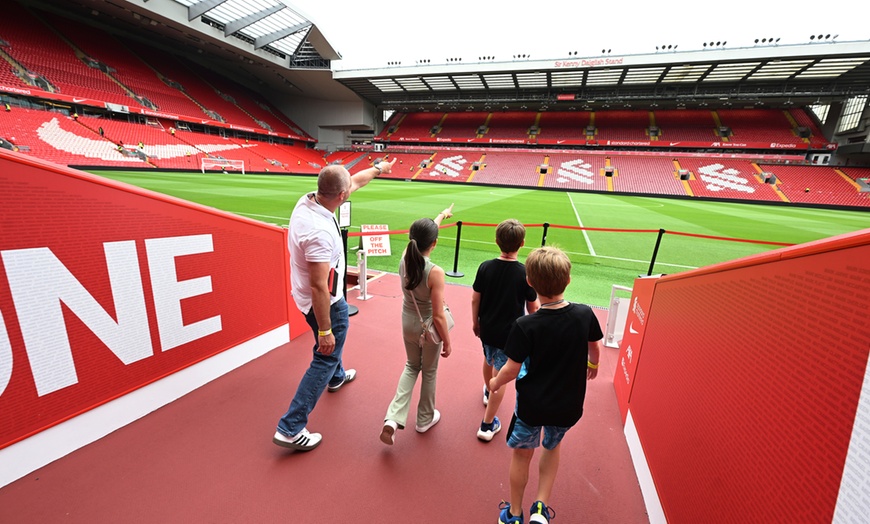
x=223, y=164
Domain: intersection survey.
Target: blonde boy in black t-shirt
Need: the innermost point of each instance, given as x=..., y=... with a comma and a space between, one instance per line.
x=560, y=346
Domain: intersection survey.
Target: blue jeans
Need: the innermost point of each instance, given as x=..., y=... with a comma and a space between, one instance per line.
x=323, y=370
x=524, y=436
x=494, y=356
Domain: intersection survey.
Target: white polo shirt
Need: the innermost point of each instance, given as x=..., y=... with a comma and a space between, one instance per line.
x=314, y=237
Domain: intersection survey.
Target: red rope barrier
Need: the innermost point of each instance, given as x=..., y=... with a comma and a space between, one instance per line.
x=580, y=228
x=614, y=230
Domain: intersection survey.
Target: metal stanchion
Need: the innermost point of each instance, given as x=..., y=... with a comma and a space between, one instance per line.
x=652, y=262
x=351, y=309
x=455, y=273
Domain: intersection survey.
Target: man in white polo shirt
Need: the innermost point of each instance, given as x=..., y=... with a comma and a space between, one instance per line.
x=317, y=280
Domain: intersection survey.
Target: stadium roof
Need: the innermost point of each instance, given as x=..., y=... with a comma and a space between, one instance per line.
x=267, y=24
x=264, y=42
x=762, y=75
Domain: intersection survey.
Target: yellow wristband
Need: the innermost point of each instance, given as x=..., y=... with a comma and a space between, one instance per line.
x=325, y=333
x=590, y=365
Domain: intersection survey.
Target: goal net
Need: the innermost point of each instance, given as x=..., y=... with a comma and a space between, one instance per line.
x=222, y=164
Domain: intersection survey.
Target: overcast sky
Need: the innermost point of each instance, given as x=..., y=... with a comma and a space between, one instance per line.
x=372, y=33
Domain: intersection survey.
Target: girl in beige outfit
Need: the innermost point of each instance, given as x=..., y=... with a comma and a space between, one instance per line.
x=423, y=283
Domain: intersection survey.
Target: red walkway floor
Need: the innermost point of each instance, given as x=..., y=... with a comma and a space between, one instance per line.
x=209, y=458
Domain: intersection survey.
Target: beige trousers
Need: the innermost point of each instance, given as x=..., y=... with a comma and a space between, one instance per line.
x=419, y=360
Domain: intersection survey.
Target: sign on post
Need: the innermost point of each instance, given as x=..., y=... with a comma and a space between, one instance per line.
x=376, y=245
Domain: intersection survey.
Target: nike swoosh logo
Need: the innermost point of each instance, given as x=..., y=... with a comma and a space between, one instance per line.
x=632, y=330
x=77, y=100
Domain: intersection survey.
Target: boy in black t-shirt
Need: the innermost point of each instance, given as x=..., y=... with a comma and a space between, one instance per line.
x=501, y=295
x=560, y=346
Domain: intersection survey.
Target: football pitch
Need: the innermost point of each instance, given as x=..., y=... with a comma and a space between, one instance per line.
x=599, y=259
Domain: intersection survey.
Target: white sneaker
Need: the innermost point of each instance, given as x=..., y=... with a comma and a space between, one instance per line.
x=388, y=434
x=435, y=418
x=302, y=441
x=349, y=375
x=486, y=435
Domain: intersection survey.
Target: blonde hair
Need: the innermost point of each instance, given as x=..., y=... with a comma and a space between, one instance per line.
x=548, y=270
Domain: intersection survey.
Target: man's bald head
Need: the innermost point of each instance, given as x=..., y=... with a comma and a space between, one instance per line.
x=332, y=180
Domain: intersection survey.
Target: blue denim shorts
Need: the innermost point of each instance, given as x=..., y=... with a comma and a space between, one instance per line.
x=522, y=436
x=494, y=356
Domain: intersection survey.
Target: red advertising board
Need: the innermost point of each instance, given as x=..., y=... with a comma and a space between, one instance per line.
x=105, y=288
x=632, y=340
x=785, y=146
x=746, y=398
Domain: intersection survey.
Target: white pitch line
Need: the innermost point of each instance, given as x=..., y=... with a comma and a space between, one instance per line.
x=576, y=214
x=256, y=215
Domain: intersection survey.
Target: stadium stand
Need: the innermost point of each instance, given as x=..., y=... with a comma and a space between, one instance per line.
x=206, y=100
x=507, y=168
x=408, y=165
x=411, y=126
x=818, y=185
x=688, y=124
x=563, y=125
x=856, y=173
x=125, y=68
x=758, y=125
x=459, y=126
x=802, y=119
x=580, y=171
x=342, y=157
x=726, y=179
x=35, y=46
x=650, y=175
x=244, y=105
x=621, y=125
x=513, y=124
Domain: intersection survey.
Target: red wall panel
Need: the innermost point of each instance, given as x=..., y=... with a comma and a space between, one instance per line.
x=56, y=226
x=745, y=396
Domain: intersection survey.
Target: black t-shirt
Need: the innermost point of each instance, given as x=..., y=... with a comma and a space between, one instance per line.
x=504, y=292
x=556, y=344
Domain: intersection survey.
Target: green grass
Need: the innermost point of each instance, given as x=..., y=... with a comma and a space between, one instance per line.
x=600, y=259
